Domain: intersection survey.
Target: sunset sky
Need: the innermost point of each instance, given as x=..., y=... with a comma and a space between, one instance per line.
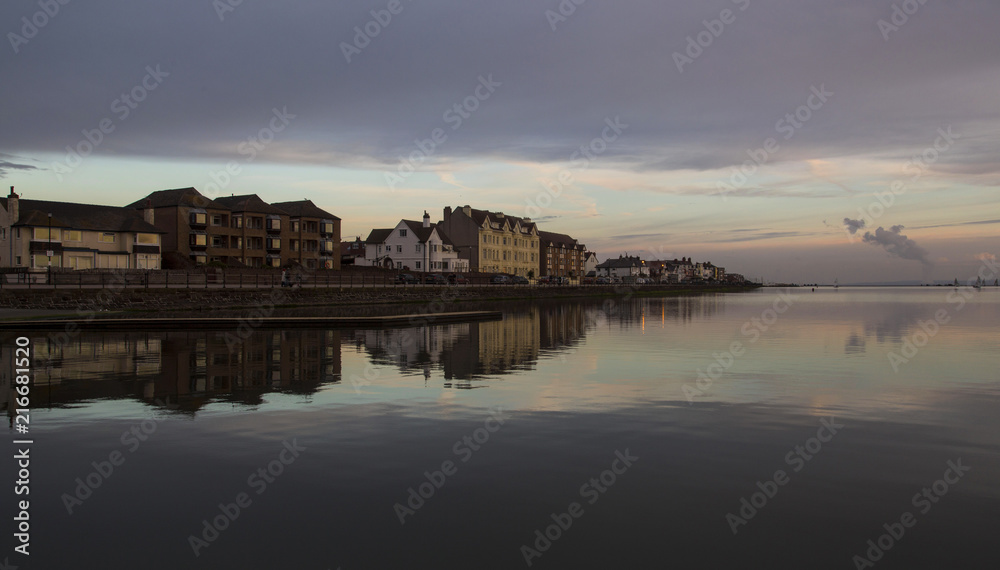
x=825, y=105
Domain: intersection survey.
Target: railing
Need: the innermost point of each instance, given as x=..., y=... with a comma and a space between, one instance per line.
x=217, y=278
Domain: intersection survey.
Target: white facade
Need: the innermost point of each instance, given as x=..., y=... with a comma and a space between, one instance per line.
x=414, y=246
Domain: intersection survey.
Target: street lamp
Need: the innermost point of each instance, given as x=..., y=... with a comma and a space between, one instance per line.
x=48, y=252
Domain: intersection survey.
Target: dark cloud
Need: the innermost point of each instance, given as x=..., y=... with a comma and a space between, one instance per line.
x=557, y=87
x=6, y=165
x=854, y=225
x=897, y=244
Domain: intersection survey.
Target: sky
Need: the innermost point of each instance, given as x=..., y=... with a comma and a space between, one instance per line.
x=802, y=141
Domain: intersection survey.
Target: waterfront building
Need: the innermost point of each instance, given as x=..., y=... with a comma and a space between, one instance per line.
x=493, y=241
x=39, y=234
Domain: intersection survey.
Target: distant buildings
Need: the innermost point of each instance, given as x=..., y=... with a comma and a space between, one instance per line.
x=623, y=268
x=181, y=228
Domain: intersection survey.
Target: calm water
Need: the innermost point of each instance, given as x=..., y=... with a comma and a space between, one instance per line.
x=592, y=409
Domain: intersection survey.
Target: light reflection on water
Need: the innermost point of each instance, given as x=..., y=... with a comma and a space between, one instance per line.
x=377, y=408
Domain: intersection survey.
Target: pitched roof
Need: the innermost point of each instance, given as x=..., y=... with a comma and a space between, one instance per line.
x=249, y=203
x=621, y=262
x=82, y=217
x=177, y=197
x=423, y=234
x=559, y=239
x=499, y=219
x=378, y=236
x=304, y=209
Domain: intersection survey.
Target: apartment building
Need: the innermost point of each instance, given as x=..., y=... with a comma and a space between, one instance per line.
x=492, y=241
x=242, y=230
x=560, y=255
x=255, y=232
x=313, y=235
x=38, y=234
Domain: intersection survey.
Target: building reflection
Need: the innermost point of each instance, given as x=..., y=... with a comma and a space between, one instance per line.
x=467, y=352
x=190, y=369
x=182, y=370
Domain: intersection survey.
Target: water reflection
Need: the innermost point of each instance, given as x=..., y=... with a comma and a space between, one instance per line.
x=580, y=380
x=187, y=369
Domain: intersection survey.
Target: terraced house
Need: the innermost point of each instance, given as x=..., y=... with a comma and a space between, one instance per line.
x=492, y=241
x=38, y=234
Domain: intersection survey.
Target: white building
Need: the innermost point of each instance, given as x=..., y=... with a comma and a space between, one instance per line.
x=590, y=263
x=413, y=246
x=623, y=267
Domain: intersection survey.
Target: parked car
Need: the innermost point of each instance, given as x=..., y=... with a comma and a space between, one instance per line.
x=500, y=280
x=435, y=279
x=520, y=280
x=603, y=280
x=458, y=279
x=406, y=278
x=589, y=280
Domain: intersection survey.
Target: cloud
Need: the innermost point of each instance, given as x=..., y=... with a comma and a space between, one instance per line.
x=6, y=165
x=854, y=225
x=897, y=244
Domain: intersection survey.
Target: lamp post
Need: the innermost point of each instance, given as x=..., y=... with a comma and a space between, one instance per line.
x=48, y=252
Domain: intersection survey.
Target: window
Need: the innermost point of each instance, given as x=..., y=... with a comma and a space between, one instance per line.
x=256, y=223
x=484, y=239
x=199, y=218
x=417, y=265
x=399, y=265
x=3, y=233
x=327, y=227
x=273, y=243
x=293, y=244
x=17, y=260
x=219, y=241
x=434, y=247
x=399, y=249
x=237, y=242
x=295, y=225
x=274, y=224
x=152, y=239
x=217, y=219
x=198, y=239
x=108, y=237
x=418, y=248
x=43, y=233
x=73, y=235
x=237, y=222
x=402, y=233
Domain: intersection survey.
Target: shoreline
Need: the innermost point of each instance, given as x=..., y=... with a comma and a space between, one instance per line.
x=123, y=303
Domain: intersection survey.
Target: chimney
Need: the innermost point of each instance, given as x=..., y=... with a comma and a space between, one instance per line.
x=447, y=215
x=427, y=219
x=12, y=206
x=467, y=210
x=148, y=214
